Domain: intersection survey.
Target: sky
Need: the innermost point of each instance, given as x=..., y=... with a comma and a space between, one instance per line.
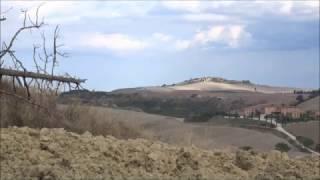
x=119, y=44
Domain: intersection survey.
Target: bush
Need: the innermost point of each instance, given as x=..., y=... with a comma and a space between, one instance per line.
x=300, y=98
x=246, y=148
x=283, y=147
x=305, y=141
x=317, y=148
x=202, y=117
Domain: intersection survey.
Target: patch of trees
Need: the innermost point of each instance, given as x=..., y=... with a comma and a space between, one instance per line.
x=202, y=117
x=300, y=98
x=317, y=148
x=311, y=94
x=283, y=147
x=305, y=141
x=246, y=148
x=193, y=109
x=246, y=82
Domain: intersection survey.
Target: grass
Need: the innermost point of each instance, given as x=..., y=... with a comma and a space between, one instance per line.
x=74, y=117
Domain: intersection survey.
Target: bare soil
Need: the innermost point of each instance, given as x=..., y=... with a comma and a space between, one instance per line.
x=56, y=154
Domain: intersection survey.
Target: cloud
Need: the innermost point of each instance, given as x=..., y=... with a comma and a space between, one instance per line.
x=115, y=42
x=162, y=37
x=211, y=10
x=232, y=36
x=71, y=11
x=286, y=7
x=205, y=17
x=182, y=44
x=191, y=6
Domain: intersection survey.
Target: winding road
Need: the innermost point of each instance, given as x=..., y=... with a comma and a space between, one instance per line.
x=279, y=128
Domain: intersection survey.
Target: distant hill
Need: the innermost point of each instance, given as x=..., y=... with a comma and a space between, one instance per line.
x=215, y=84
x=192, y=98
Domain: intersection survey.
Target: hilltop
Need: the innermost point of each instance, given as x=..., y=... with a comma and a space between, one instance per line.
x=213, y=84
x=58, y=154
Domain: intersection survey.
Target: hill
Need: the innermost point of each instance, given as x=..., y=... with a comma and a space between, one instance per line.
x=178, y=103
x=219, y=133
x=215, y=84
x=56, y=154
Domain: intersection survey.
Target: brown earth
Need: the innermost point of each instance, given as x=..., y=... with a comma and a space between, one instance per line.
x=307, y=129
x=56, y=154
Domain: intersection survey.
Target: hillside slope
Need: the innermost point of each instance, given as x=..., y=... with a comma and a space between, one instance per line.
x=211, y=84
x=217, y=134
x=311, y=104
x=56, y=154
x=225, y=86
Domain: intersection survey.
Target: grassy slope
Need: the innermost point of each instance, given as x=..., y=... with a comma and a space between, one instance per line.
x=307, y=129
x=205, y=135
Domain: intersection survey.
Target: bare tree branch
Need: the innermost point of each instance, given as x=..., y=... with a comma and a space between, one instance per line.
x=36, y=25
x=43, y=60
x=27, y=74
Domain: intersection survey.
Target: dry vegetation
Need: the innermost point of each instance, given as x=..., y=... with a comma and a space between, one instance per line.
x=128, y=124
x=42, y=111
x=218, y=134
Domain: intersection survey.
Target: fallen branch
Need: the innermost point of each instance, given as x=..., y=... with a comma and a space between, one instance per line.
x=28, y=74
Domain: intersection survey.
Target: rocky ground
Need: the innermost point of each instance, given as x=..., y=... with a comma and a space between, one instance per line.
x=56, y=154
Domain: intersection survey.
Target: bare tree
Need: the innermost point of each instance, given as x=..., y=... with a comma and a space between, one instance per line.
x=45, y=61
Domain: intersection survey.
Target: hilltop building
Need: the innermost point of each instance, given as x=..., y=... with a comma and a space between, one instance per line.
x=287, y=111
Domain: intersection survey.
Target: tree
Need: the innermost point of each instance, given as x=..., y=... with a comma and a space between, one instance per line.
x=43, y=78
x=300, y=98
x=317, y=148
x=283, y=147
x=305, y=141
x=246, y=148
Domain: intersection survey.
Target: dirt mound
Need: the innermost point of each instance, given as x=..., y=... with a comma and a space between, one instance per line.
x=56, y=154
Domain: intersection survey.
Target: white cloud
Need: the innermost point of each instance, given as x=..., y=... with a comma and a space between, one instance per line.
x=230, y=35
x=68, y=11
x=205, y=17
x=286, y=7
x=115, y=42
x=191, y=6
x=201, y=10
x=162, y=37
x=182, y=44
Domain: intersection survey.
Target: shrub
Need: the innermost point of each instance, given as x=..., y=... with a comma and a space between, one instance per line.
x=305, y=141
x=317, y=148
x=202, y=117
x=300, y=98
x=246, y=148
x=193, y=95
x=283, y=147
